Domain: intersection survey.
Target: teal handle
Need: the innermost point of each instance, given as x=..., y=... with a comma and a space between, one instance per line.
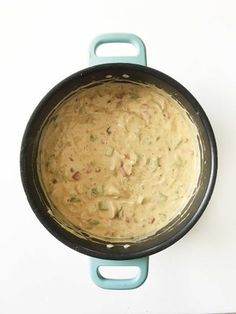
x=140, y=58
x=119, y=284
x=141, y=263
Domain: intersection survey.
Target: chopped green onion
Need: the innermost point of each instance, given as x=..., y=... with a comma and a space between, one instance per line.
x=153, y=164
x=93, y=222
x=162, y=216
x=94, y=191
x=74, y=199
x=139, y=157
x=120, y=212
x=92, y=163
x=93, y=137
x=98, y=190
x=163, y=197
x=102, y=205
x=109, y=151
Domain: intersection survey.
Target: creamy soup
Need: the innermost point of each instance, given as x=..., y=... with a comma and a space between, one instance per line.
x=119, y=160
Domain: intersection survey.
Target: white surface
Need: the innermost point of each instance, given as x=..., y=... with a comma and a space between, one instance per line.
x=42, y=42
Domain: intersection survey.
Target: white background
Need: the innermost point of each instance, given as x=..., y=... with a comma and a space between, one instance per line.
x=42, y=42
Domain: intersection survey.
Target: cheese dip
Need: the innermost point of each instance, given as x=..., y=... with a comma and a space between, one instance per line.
x=119, y=160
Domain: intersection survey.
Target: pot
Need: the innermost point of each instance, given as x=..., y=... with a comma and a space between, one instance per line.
x=117, y=254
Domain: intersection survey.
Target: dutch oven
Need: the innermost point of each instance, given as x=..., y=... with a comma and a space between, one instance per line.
x=132, y=68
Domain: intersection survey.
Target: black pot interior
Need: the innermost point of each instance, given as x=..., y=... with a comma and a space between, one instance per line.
x=176, y=228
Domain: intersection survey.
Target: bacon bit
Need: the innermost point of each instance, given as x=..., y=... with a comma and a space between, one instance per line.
x=123, y=172
x=76, y=176
x=145, y=116
x=151, y=220
x=126, y=168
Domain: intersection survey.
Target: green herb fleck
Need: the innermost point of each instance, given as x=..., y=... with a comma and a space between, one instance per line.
x=93, y=137
x=178, y=144
x=92, y=163
x=163, y=197
x=93, y=222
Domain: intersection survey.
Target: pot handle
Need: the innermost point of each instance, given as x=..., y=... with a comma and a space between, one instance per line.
x=140, y=58
x=119, y=284
x=140, y=263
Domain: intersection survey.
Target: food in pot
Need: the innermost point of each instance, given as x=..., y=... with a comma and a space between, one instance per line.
x=119, y=160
